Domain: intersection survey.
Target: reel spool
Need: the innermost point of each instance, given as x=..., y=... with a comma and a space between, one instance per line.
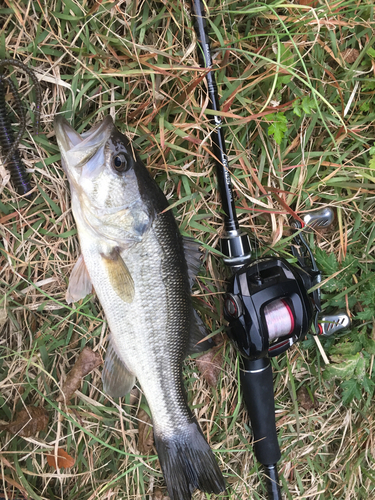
x=279, y=318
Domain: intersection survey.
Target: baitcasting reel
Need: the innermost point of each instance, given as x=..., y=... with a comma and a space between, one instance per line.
x=268, y=306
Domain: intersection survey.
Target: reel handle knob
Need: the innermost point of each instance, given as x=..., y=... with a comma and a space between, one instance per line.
x=318, y=219
x=329, y=324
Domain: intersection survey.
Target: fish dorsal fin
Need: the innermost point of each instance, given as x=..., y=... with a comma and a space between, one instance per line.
x=119, y=275
x=197, y=333
x=79, y=282
x=117, y=379
x=193, y=257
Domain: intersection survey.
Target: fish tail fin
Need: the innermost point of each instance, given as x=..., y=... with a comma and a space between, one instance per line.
x=188, y=463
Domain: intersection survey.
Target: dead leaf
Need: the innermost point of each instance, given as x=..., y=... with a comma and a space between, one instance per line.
x=350, y=55
x=64, y=460
x=29, y=421
x=311, y=3
x=304, y=399
x=134, y=396
x=209, y=365
x=145, y=433
x=86, y=362
x=159, y=495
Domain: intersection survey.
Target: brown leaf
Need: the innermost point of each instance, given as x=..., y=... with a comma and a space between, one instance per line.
x=29, y=421
x=86, y=362
x=64, y=460
x=159, y=495
x=145, y=433
x=350, y=55
x=304, y=399
x=209, y=365
x=134, y=396
x=312, y=3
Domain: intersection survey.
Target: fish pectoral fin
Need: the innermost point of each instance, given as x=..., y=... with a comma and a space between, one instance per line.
x=79, y=282
x=119, y=275
x=197, y=333
x=117, y=379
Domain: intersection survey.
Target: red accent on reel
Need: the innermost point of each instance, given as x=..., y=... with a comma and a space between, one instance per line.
x=280, y=345
x=290, y=314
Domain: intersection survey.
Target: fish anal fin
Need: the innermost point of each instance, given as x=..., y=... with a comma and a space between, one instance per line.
x=118, y=380
x=119, y=275
x=197, y=333
x=79, y=282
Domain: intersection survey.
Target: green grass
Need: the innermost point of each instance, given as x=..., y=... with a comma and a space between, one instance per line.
x=299, y=123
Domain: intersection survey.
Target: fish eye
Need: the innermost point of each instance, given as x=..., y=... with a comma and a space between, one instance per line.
x=119, y=162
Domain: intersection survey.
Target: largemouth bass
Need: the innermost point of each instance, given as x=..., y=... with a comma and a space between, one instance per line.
x=141, y=269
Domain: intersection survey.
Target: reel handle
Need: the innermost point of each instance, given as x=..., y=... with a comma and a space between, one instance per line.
x=257, y=388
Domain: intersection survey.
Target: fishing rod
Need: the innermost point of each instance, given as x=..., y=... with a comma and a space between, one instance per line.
x=267, y=305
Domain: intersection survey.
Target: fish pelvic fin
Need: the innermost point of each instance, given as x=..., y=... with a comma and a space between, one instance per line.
x=79, y=282
x=117, y=379
x=188, y=463
x=119, y=275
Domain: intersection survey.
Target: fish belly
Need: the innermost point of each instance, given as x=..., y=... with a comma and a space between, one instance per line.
x=150, y=333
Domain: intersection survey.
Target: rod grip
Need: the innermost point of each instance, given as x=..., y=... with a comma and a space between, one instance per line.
x=257, y=388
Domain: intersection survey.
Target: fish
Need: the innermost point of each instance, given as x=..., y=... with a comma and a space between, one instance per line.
x=142, y=271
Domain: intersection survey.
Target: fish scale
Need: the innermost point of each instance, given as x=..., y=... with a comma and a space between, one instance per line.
x=137, y=262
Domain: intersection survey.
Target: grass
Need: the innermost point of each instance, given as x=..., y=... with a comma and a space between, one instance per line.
x=297, y=90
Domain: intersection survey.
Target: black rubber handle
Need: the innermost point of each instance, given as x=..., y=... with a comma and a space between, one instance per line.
x=257, y=388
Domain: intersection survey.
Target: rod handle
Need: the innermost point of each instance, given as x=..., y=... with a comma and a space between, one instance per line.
x=257, y=388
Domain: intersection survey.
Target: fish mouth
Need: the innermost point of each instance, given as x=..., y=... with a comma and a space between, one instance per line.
x=82, y=154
